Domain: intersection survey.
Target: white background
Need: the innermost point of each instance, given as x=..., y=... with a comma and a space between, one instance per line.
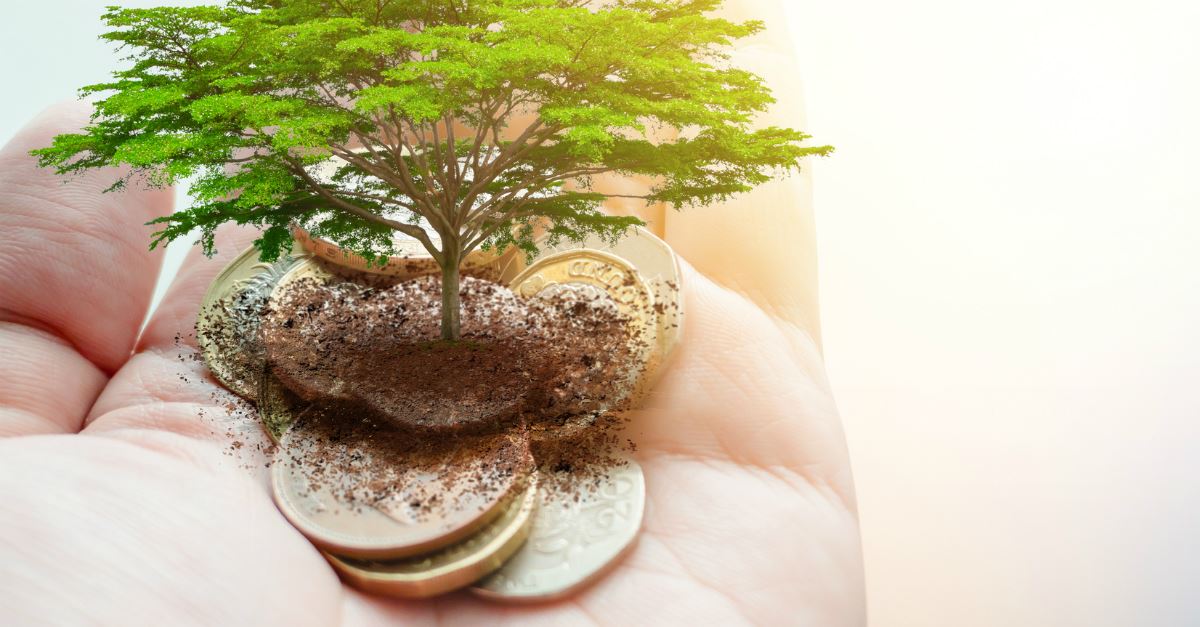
x=1010, y=246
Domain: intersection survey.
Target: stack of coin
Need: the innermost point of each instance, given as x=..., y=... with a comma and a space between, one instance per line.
x=227, y=326
x=531, y=538
x=410, y=261
x=415, y=523
x=594, y=262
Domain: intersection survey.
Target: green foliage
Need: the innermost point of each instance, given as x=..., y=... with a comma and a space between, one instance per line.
x=481, y=118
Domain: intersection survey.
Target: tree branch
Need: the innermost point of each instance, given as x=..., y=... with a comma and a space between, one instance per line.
x=408, y=229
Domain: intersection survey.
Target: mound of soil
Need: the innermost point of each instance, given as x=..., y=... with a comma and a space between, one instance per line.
x=366, y=463
x=535, y=359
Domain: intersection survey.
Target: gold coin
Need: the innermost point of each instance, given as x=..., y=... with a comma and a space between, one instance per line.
x=276, y=404
x=658, y=265
x=451, y=568
x=309, y=268
x=411, y=260
x=579, y=532
x=227, y=327
x=606, y=274
x=337, y=490
x=277, y=407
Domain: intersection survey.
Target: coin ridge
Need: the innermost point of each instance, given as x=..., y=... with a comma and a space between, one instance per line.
x=220, y=288
x=356, y=545
x=270, y=391
x=509, y=535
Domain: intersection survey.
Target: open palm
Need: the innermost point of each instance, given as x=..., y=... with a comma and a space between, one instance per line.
x=120, y=503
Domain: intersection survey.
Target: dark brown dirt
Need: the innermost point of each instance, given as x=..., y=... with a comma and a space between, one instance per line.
x=379, y=348
x=380, y=394
x=369, y=463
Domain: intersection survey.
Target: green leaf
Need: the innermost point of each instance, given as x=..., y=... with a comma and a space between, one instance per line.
x=249, y=98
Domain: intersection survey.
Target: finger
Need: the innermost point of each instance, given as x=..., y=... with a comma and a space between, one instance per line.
x=166, y=368
x=76, y=278
x=100, y=532
x=176, y=315
x=761, y=243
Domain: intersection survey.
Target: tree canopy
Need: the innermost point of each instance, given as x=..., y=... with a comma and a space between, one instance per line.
x=462, y=123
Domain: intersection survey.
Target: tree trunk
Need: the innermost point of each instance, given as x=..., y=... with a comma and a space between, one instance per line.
x=451, y=323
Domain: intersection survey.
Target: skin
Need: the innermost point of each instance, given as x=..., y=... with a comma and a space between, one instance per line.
x=123, y=505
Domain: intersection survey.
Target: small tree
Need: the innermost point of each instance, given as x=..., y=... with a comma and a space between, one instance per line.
x=478, y=119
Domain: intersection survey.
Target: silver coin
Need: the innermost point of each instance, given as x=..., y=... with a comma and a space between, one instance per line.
x=580, y=531
x=658, y=266
x=228, y=325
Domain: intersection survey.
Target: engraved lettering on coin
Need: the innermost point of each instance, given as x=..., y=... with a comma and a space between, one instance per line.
x=619, y=280
x=607, y=274
x=658, y=266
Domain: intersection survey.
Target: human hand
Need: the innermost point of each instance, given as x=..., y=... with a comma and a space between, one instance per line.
x=122, y=506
